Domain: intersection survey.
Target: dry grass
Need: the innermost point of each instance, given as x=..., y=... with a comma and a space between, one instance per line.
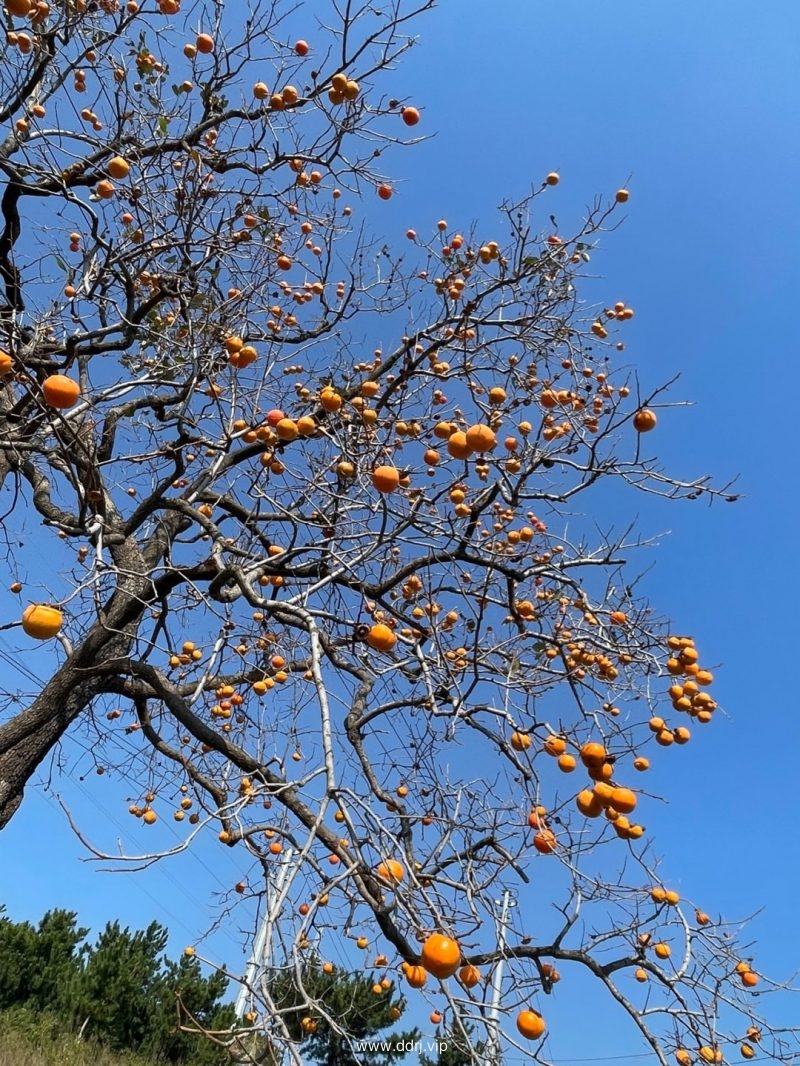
x=19, y=1049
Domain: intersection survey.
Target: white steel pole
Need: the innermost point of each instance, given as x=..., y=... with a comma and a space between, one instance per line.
x=257, y=957
x=493, y=1041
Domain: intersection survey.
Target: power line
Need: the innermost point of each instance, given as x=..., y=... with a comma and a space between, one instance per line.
x=597, y=1058
x=633, y=1057
x=104, y=813
x=25, y=671
x=140, y=888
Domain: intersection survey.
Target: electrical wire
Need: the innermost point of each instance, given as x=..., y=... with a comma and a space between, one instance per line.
x=106, y=815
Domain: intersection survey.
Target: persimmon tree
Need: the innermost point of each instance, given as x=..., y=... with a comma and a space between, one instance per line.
x=316, y=553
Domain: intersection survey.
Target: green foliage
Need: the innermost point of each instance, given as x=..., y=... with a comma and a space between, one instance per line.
x=351, y=1004
x=41, y=1029
x=124, y=996
x=120, y=992
x=38, y=966
x=117, y=985
x=456, y=1050
x=17, y=949
x=182, y=992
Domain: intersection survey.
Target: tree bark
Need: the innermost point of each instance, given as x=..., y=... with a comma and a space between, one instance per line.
x=27, y=739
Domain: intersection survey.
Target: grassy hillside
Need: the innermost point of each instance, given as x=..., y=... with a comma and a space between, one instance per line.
x=25, y=1041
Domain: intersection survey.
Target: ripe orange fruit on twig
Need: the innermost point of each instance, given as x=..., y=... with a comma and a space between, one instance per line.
x=41, y=621
x=118, y=167
x=644, y=420
x=440, y=955
x=530, y=1024
x=60, y=391
x=385, y=478
x=381, y=638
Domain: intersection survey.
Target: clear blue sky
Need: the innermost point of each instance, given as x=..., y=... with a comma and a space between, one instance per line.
x=696, y=107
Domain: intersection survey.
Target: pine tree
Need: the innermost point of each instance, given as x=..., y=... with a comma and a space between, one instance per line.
x=350, y=999
x=59, y=943
x=16, y=954
x=130, y=995
x=37, y=966
x=455, y=1050
x=121, y=990
x=181, y=992
x=118, y=982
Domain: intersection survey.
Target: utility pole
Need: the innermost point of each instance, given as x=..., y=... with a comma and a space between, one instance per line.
x=257, y=958
x=252, y=968
x=493, y=1032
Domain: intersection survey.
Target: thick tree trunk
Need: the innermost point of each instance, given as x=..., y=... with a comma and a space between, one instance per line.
x=28, y=738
